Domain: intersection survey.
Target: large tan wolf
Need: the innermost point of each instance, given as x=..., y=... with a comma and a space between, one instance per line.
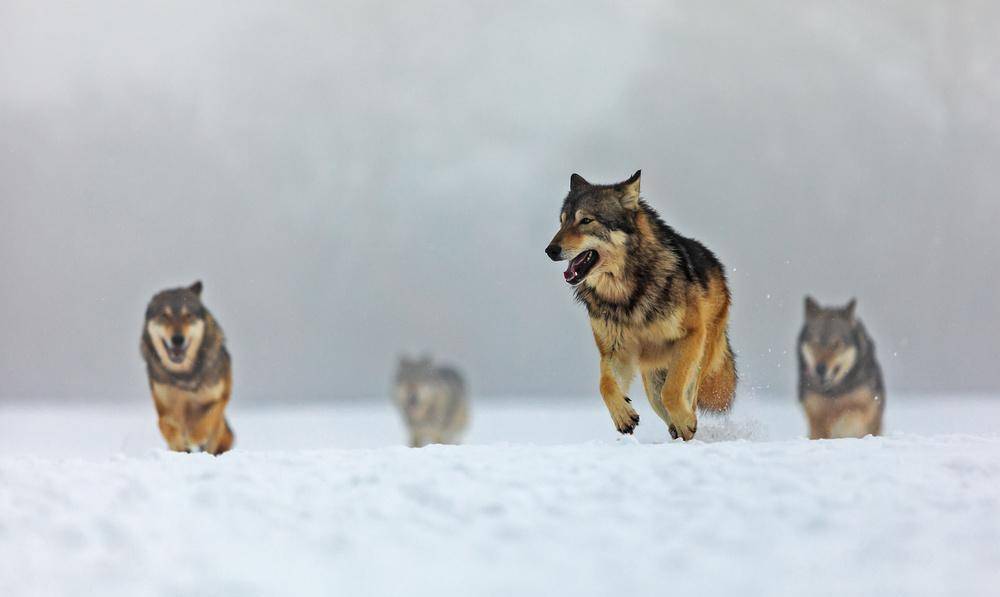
x=189, y=371
x=658, y=303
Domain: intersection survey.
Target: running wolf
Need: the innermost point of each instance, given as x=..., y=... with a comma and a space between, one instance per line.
x=432, y=401
x=840, y=382
x=189, y=371
x=658, y=302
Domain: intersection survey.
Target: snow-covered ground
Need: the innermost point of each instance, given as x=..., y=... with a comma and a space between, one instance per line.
x=545, y=501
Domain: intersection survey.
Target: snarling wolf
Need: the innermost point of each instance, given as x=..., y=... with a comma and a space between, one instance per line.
x=189, y=371
x=432, y=401
x=658, y=302
x=840, y=381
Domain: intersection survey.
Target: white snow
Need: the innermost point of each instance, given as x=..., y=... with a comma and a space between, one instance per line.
x=318, y=501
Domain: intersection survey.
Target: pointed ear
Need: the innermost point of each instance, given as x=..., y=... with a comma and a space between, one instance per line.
x=812, y=307
x=576, y=181
x=630, y=191
x=196, y=287
x=849, y=309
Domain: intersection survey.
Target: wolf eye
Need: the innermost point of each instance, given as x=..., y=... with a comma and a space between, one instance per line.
x=586, y=221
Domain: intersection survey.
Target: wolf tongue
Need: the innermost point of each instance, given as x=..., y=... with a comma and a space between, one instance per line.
x=571, y=272
x=571, y=269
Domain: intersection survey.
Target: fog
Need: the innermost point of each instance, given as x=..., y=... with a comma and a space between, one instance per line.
x=357, y=180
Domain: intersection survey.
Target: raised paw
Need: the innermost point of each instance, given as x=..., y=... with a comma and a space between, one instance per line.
x=625, y=418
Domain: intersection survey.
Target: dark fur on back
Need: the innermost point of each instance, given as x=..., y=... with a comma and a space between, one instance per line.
x=212, y=360
x=653, y=263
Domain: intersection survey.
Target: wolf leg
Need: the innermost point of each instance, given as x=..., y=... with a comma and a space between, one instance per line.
x=653, y=381
x=218, y=434
x=173, y=433
x=875, y=428
x=851, y=423
x=817, y=430
x=615, y=370
x=208, y=428
x=458, y=423
x=680, y=391
x=223, y=440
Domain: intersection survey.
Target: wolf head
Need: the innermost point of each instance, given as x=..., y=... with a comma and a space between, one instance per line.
x=595, y=224
x=412, y=375
x=175, y=326
x=829, y=344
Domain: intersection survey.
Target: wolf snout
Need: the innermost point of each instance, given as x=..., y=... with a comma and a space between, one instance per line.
x=177, y=340
x=821, y=370
x=554, y=252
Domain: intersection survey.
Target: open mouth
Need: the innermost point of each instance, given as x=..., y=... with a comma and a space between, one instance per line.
x=175, y=353
x=580, y=266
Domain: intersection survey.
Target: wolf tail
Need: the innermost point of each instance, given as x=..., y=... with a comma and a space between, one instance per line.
x=718, y=387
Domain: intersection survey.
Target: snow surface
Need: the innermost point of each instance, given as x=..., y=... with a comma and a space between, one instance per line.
x=545, y=501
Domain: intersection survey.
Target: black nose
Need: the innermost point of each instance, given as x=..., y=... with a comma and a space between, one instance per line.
x=177, y=340
x=821, y=369
x=553, y=251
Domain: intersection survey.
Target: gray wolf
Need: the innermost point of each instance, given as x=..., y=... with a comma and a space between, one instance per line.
x=658, y=302
x=840, y=381
x=432, y=401
x=189, y=370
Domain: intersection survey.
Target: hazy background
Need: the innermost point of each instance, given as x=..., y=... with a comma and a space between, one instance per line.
x=356, y=179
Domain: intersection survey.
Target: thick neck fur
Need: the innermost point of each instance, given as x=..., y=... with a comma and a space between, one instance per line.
x=635, y=283
x=208, y=366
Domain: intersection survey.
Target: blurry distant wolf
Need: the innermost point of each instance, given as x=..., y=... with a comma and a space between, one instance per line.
x=189, y=371
x=840, y=382
x=658, y=302
x=432, y=401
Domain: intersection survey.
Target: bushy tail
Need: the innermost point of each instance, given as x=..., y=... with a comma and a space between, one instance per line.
x=718, y=387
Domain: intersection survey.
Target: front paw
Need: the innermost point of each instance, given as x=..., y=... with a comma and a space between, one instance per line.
x=683, y=426
x=625, y=418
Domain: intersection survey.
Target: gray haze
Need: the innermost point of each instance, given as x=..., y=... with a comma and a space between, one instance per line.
x=359, y=179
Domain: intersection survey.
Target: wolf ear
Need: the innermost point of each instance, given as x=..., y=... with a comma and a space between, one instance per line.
x=812, y=307
x=630, y=191
x=196, y=287
x=849, y=309
x=576, y=181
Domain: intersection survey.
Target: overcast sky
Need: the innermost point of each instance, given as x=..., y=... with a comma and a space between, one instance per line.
x=358, y=180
